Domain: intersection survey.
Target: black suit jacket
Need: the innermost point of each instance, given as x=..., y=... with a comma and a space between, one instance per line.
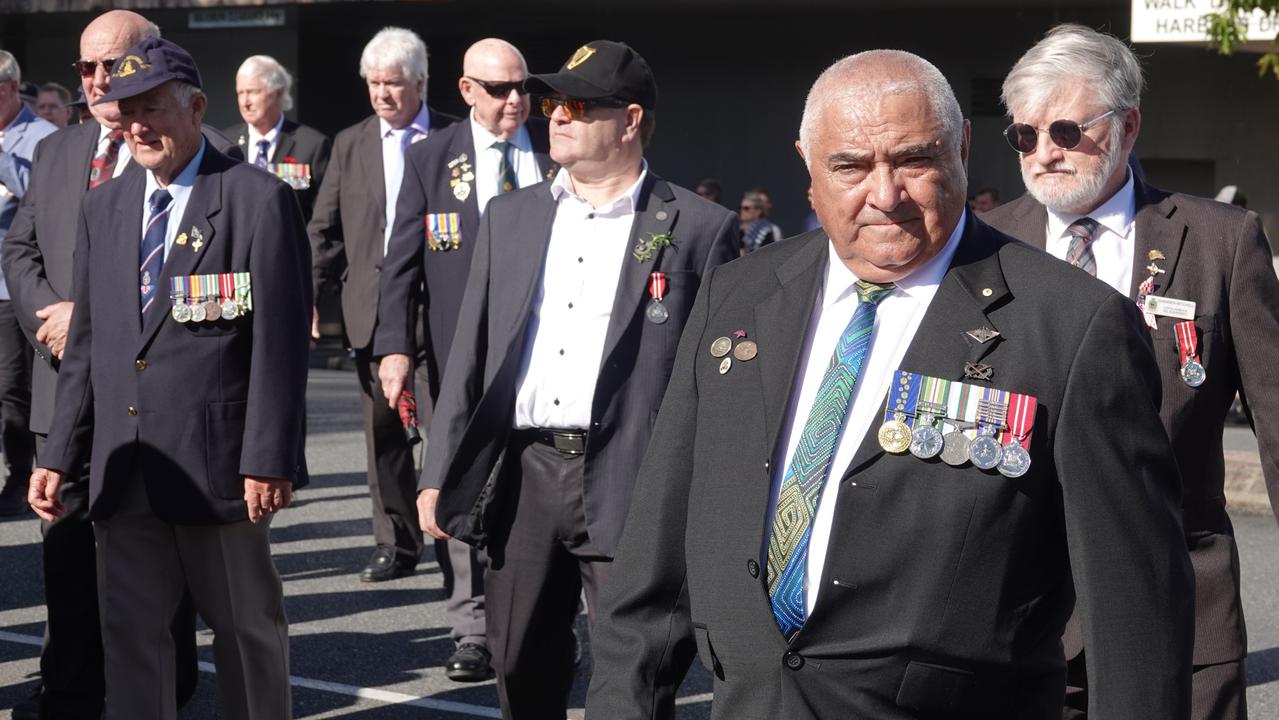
x=349, y=221
x=1217, y=256
x=37, y=251
x=437, y=280
x=945, y=589
x=188, y=409
x=472, y=422
x=298, y=143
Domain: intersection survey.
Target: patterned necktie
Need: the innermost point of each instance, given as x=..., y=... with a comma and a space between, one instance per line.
x=264, y=147
x=1079, y=253
x=103, y=166
x=151, y=253
x=802, y=485
x=505, y=169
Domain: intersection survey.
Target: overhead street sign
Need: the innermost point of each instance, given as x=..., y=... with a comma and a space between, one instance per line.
x=1185, y=21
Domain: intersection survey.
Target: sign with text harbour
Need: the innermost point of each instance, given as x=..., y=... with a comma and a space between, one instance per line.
x=1183, y=21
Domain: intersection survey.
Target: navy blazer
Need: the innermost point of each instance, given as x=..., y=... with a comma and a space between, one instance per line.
x=188, y=408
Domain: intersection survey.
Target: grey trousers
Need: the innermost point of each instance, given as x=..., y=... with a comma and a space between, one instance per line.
x=144, y=564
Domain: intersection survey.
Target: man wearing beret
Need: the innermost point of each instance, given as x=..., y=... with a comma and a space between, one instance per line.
x=578, y=291
x=185, y=374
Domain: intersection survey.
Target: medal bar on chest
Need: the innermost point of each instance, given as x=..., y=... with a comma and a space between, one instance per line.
x=1192, y=371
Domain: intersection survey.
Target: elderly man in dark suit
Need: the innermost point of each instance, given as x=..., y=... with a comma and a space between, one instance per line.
x=297, y=153
x=37, y=266
x=1201, y=273
x=448, y=181
x=193, y=449
x=891, y=459
x=578, y=290
x=349, y=232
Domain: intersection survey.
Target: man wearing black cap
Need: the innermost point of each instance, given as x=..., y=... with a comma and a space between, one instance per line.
x=578, y=291
x=185, y=367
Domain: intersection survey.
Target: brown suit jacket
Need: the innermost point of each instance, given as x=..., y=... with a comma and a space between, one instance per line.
x=1217, y=255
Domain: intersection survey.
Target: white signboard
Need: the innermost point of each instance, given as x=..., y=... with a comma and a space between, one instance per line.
x=1183, y=21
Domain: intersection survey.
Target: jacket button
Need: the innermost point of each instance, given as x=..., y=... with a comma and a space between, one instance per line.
x=794, y=661
x=132, y=410
x=752, y=567
x=140, y=365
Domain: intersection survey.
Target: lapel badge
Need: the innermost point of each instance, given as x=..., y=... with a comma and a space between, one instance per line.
x=739, y=334
x=1155, y=255
x=1154, y=269
x=197, y=239
x=983, y=334
x=978, y=371
x=661, y=215
x=181, y=239
x=721, y=347
x=645, y=247
x=746, y=350
x=241, y=141
x=725, y=365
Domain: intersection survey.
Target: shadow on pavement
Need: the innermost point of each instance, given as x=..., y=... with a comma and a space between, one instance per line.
x=1262, y=666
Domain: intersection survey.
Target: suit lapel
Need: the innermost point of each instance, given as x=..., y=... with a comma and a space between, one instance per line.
x=284, y=142
x=654, y=216
x=1156, y=231
x=128, y=227
x=529, y=257
x=370, y=151
x=86, y=144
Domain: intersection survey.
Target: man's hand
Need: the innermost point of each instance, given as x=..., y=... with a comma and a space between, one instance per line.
x=42, y=493
x=426, y=514
x=315, y=323
x=266, y=496
x=393, y=371
x=53, y=333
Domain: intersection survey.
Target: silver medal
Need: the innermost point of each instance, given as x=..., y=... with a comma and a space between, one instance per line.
x=986, y=452
x=657, y=312
x=197, y=312
x=229, y=309
x=181, y=311
x=1015, y=462
x=954, y=449
x=925, y=441
x=1193, y=373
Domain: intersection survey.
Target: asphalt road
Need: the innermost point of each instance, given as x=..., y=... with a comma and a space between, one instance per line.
x=373, y=652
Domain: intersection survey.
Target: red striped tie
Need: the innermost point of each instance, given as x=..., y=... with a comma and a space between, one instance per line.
x=103, y=166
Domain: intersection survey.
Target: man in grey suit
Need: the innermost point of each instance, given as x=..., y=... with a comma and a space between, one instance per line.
x=891, y=458
x=429, y=259
x=297, y=153
x=38, y=267
x=578, y=290
x=1200, y=270
x=349, y=233
x=192, y=450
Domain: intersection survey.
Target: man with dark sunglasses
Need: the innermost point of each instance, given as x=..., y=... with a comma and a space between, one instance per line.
x=578, y=291
x=448, y=181
x=1201, y=273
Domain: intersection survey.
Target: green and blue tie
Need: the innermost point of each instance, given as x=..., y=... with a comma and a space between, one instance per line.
x=802, y=485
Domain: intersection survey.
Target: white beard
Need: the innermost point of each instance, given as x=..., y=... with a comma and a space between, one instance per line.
x=1074, y=193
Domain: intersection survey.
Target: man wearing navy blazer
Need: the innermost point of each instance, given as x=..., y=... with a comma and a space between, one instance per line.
x=349, y=232
x=578, y=291
x=448, y=180
x=811, y=547
x=184, y=378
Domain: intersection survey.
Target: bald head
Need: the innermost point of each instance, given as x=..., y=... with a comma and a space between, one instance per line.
x=122, y=28
x=493, y=73
x=105, y=39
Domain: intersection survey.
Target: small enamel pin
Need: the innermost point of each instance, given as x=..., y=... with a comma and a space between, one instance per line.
x=983, y=334
x=197, y=239
x=978, y=371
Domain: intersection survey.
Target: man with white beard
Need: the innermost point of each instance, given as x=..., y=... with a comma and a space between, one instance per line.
x=1201, y=273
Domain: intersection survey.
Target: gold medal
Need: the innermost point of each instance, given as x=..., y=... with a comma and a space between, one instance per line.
x=894, y=435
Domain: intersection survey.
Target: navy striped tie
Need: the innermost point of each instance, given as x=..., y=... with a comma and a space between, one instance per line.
x=151, y=253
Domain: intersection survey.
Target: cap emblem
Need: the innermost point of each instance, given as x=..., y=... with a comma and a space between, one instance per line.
x=582, y=55
x=130, y=65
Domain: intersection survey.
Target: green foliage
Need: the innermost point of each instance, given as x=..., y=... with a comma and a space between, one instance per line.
x=1226, y=30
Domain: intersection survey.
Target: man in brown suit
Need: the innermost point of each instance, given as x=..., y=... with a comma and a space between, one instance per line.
x=1200, y=270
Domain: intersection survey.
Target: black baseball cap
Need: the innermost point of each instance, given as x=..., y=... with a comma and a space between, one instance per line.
x=600, y=69
x=148, y=65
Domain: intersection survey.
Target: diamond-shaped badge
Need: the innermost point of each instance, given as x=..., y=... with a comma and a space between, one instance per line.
x=983, y=334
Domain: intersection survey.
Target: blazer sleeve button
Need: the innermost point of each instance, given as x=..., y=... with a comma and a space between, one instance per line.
x=752, y=567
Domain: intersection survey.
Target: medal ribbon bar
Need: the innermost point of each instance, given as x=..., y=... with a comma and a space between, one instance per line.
x=1187, y=341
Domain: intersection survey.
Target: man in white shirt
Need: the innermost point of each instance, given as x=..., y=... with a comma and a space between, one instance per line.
x=1201, y=272
x=850, y=506
x=577, y=294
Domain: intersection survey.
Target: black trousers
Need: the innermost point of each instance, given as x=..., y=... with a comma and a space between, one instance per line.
x=15, y=397
x=392, y=478
x=1216, y=691
x=71, y=660
x=537, y=572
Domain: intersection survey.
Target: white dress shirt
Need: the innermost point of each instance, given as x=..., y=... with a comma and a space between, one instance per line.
x=571, y=312
x=122, y=158
x=393, y=163
x=488, y=160
x=1112, y=243
x=180, y=189
x=272, y=136
x=896, y=319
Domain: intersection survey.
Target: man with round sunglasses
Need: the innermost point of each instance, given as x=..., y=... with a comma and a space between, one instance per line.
x=448, y=180
x=1201, y=273
x=578, y=292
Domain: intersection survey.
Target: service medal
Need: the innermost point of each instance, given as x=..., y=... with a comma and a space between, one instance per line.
x=925, y=441
x=894, y=435
x=746, y=350
x=985, y=452
x=197, y=312
x=181, y=312
x=721, y=347
x=1015, y=461
x=656, y=312
x=212, y=311
x=1193, y=372
x=462, y=191
x=954, y=449
x=229, y=309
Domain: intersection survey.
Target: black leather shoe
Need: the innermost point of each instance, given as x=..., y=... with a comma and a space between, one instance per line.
x=386, y=564
x=469, y=663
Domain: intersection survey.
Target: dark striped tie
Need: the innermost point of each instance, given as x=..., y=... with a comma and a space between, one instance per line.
x=151, y=253
x=264, y=147
x=506, y=169
x=1079, y=253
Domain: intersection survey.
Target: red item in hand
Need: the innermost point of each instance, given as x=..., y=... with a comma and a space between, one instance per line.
x=408, y=416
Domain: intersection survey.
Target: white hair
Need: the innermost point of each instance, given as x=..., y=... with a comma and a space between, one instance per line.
x=272, y=74
x=858, y=78
x=1074, y=52
x=10, y=71
x=184, y=92
x=396, y=47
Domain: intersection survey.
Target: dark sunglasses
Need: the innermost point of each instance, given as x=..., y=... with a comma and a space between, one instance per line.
x=1065, y=134
x=577, y=108
x=86, y=68
x=499, y=89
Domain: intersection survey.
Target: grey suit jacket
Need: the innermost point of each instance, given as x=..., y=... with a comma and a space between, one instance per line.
x=412, y=274
x=349, y=221
x=298, y=143
x=38, y=249
x=1217, y=255
x=945, y=589
x=472, y=422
